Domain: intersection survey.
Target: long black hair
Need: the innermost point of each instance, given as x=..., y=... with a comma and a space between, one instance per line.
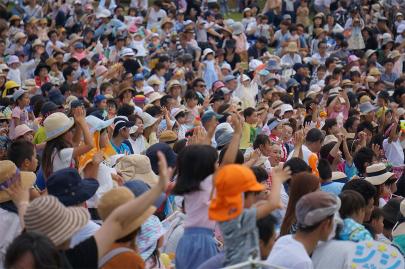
x=57, y=144
x=194, y=164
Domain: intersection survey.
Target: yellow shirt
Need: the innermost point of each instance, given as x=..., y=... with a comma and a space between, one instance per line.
x=248, y=135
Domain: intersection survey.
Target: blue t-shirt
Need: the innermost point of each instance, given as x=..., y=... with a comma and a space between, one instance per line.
x=123, y=149
x=332, y=187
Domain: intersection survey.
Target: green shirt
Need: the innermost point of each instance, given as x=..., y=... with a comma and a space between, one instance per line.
x=40, y=136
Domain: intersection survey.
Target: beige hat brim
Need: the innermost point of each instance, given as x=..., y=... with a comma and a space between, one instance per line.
x=149, y=178
x=139, y=221
x=61, y=131
x=27, y=181
x=75, y=219
x=380, y=179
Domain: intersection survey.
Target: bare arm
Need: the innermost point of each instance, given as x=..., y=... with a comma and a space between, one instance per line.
x=231, y=152
x=124, y=215
x=279, y=176
x=346, y=151
x=88, y=140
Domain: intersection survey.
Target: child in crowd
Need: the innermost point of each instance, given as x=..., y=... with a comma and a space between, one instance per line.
x=352, y=212
x=20, y=113
x=235, y=208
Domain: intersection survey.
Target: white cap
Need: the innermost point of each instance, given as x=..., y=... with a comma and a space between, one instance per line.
x=13, y=59
x=147, y=90
x=103, y=13
x=127, y=52
x=206, y=52
x=285, y=108
x=175, y=111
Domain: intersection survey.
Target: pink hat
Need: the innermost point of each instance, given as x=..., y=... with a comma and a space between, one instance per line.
x=138, y=20
x=132, y=28
x=100, y=70
x=21, y=130
x=217, y=85
x=353, y=58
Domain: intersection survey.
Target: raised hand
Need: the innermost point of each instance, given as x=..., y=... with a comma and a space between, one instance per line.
x=165, y=172
x=18, y=194
x=281, y=174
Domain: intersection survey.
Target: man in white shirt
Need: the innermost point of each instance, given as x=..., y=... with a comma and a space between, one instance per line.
x=315, y=221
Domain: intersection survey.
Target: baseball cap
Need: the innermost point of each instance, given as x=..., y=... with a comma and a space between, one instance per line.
x=208, y=115
x=99, y=98
x=139, y=77
x=122, y=122
x=56, y=96
x=229, y=78
x=231, y=182
x=314, y=207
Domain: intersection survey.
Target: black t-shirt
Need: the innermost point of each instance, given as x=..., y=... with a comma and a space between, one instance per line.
x=84, y=255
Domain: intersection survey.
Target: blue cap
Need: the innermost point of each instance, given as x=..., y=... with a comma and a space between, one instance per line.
x=208, y=115
x=292, y=82
x=79, y=45
x=99, y=98
x=138, y=187
x=56, y=96
x=139, y=77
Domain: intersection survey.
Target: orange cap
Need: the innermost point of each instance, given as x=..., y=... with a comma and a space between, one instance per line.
x=231, y=181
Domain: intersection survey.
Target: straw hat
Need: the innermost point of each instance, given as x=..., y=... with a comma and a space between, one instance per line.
x=56, y=125
x=168, y=137
x=37, y=42
x=121, y=92
x=19, y=35
x=153, y=97
x=14, y=18
x=374, y=71
x=51, y=218
x=329, y=139
x=9, y=174
x=319, y=31
x=165, y=21
x=394, y=54
x=137, y=166
x=292, y=47
x=117, y=197
x=377, y=174
x=173, y=83
x=148, y=120
x=51, y=61
x=154, y=81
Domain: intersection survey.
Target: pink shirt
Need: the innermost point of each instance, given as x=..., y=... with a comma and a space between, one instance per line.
x=18, y=113
x=196, y=206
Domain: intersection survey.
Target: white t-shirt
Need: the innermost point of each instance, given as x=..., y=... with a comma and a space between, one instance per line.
x=155, y=18
x=10, y=228
x=393, y=151
x=63, y=159
x=289, y=253
x=49, y=48
x=88, y=230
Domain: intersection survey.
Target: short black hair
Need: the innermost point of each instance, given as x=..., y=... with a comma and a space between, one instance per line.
x=239, y=156
x=365, y=188
x=365, y=125
x=349, y=122
x=165, y=100
x=190, y=95
x=125, y=110
x=324, y=169
x=261, y=139
x=154, y=111
x=68, y=71
x=19, y=151
x=325, y=150
x=362, y=157
x=377, y=213
x=266, y=227
x=352, y=202
x=260, y=173
x=44, y=252
x=314, y=135
x=297, y=165
x=248, y=112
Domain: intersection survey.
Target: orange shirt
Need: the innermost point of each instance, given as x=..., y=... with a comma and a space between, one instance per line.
x=127, y=260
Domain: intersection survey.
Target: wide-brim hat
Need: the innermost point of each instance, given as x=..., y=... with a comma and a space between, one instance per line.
x=14, y=18
x=37, y=42
x=48, y=216
x=121, y=92
x=70, y=189
x=206, y=52
x=21, y=130
x=9, y=174
x=377, y=174
x=117, y=197
x=367, y=107
x=148, y=238
x=136, y=166
x=153, y=97
x=368, y=53
x=237, y=28
x=173, y=83
x=165, y=21
x=97, y=124
x=148, y=120
x=56, y=125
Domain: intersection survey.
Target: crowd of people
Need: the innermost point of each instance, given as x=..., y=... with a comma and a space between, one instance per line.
x=165, y=134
